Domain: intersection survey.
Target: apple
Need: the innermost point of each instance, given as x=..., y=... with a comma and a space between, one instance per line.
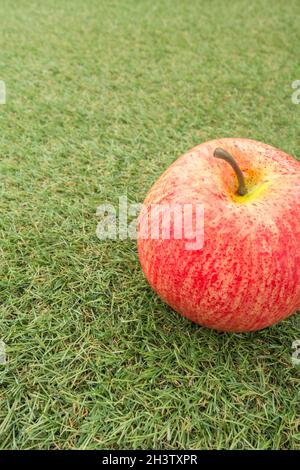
x=244, y=274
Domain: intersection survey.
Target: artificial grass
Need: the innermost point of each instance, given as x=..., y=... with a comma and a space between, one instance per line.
x=101, y=98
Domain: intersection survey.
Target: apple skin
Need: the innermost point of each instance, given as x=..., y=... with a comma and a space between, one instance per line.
x=247, y=275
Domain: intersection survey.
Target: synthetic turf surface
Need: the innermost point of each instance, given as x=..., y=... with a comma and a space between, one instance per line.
x=101, y=98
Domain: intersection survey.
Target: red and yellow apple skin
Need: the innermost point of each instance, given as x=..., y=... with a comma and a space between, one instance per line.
x=247, y=275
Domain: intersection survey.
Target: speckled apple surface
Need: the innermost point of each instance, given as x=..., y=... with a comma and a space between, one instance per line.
x=247, y=275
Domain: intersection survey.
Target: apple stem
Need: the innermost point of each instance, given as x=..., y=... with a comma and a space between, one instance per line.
x=224, y=155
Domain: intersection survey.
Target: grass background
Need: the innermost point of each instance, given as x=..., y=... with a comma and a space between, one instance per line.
x=101, y=97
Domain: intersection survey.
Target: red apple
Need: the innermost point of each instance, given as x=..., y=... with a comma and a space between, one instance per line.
x=246, y=276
